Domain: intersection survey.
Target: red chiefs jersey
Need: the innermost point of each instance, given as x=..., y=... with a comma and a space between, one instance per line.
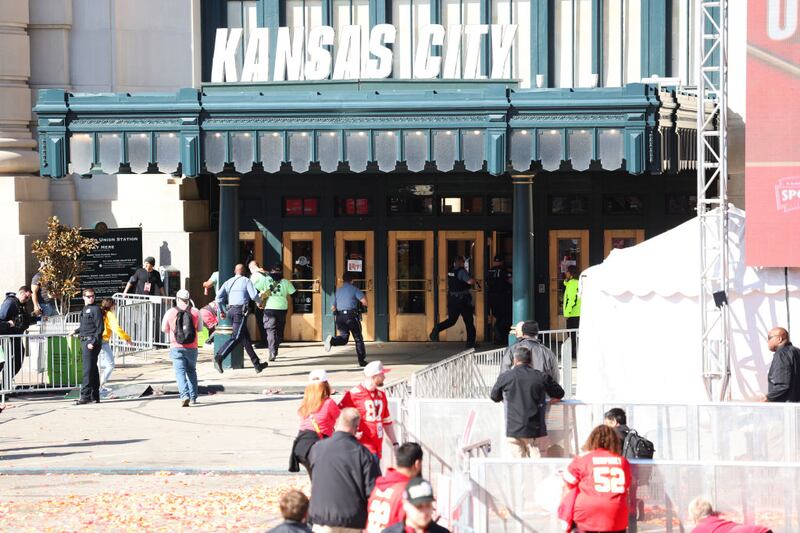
x=603, y=479
x=385, y=505
x=374, y=409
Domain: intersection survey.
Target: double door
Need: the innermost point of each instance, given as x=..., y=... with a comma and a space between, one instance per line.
x=417, y=283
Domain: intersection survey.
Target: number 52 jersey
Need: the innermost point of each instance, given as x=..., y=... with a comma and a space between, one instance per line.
x=603, y=479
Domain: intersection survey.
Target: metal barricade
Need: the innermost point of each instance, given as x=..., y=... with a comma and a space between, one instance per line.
x=135, y=319
x=151, y=314
x=39, y=361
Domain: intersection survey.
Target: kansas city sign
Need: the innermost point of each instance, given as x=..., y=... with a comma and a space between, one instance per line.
x=313, y=58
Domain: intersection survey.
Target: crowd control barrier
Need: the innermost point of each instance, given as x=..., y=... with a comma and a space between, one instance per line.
x=39, y=361
x=147, y=318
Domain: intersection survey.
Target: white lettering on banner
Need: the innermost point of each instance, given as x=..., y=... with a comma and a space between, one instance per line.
x=782, y=10
x=298, y=58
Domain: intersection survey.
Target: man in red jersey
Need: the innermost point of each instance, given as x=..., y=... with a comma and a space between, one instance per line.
x=385, y=506
x=602, y=478
x=374, y=409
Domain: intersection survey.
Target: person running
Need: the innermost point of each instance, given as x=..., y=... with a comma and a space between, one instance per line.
x=348, y=318
x=233, y=299
x=318, y=413
x=599, y=480
x=274, y=292
x=373, y=407
x=112, y=326
x=459, y=302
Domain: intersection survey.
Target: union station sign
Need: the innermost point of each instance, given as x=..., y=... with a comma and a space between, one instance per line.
x=311, y=56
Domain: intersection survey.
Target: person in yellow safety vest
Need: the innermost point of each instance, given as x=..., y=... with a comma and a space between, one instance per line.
x=572, y=302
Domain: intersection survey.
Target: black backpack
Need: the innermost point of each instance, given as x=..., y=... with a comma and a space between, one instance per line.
x=637, y=447
x=185, y=332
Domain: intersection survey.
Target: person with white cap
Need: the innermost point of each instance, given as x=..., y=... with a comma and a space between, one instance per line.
x=318, y=413
x=373, y=406
x=182, y=324
x=418, y=506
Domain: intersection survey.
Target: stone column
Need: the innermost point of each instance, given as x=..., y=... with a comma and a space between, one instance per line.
x=228, y=233
x=24, y=205
x=523, y=276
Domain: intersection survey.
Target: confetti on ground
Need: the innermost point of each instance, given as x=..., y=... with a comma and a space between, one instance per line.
x=161, y=502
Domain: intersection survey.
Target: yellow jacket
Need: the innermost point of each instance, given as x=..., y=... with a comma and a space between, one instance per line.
x=112, y=326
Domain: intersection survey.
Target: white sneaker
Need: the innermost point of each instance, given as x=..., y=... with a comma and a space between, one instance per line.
x=328, y=343
x=105, y=390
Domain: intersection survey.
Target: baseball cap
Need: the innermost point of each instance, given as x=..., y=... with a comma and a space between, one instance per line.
x=375, y=368
x=418, y=491
x=150, y=259
x=318, y=375
x=182, y=294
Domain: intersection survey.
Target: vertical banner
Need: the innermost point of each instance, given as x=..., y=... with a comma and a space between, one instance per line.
x=772, y=183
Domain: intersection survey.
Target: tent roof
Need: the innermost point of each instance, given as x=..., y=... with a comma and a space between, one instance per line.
x=669, y=264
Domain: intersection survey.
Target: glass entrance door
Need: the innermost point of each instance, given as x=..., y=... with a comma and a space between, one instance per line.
x=411, y=315
x=621, y=238
x=567, y=248
x=302, y=264
x=355, y=254
x=470, y=245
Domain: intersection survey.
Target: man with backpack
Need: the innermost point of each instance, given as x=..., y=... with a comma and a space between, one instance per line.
x=634, y=446
x=182, y=324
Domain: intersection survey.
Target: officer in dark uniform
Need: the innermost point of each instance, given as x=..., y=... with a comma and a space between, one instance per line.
x=90, y=332
x=498, y=285
x=459, y=302
x=348, y=318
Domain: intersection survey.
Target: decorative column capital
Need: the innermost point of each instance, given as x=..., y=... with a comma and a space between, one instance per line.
x=523, y=179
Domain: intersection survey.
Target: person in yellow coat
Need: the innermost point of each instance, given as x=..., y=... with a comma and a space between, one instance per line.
x=112, y=326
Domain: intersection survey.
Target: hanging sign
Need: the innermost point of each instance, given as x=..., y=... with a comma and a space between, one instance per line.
x=355, y=265
x=311, y=56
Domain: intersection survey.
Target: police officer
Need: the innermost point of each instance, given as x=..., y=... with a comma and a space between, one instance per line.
x=459, y=301
x=234, y=298
x=348, y=318
x=498, y=281
x=90, y=332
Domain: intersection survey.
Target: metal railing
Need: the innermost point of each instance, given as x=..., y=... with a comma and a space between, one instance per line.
x=39, y=361
x=471, y=374
x=148, y=318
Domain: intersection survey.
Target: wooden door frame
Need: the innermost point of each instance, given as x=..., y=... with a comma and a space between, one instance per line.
x=392, y=238
x=610, y=234
x=553, y=236
x=258, y=244
x=288, y=267
x=443, y=266
x=368, y=236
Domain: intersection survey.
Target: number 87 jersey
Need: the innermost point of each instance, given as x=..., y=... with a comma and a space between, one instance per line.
x=603, y=479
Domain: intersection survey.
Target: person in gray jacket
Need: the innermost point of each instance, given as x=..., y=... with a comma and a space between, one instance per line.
x=344, y=475
x=543, y=358
x=294, y=509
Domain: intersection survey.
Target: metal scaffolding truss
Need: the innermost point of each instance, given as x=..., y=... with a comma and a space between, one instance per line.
x=711, y=17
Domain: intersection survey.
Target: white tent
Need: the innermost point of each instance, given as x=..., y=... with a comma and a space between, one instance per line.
x=640, y=320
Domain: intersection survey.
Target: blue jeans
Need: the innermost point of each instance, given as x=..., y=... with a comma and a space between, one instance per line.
x=184, y=361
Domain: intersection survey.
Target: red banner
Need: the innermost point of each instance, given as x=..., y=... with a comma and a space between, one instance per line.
x=772, y=183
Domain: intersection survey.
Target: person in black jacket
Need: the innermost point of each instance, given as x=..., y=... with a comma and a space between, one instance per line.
x=524, y=388
x=15, y=320
x=784, y=372
x=90, y=332
x=418, y=505
x=344, y=475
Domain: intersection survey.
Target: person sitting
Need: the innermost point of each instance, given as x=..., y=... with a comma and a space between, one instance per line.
x=708, y=521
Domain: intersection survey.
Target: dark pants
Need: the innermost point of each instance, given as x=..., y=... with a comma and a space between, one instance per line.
x=573, y=322
x=500, y=307
x=239, y=334
x=345, y=325
x=274, y=323
x=261, y=324
x=90, y=386
x=458, y=307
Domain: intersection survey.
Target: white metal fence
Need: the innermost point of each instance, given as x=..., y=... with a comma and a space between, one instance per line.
x=471, y=374
x=147, y=318
x=38, y=361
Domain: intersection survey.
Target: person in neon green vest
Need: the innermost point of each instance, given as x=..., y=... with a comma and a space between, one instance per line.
x=572, y=302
